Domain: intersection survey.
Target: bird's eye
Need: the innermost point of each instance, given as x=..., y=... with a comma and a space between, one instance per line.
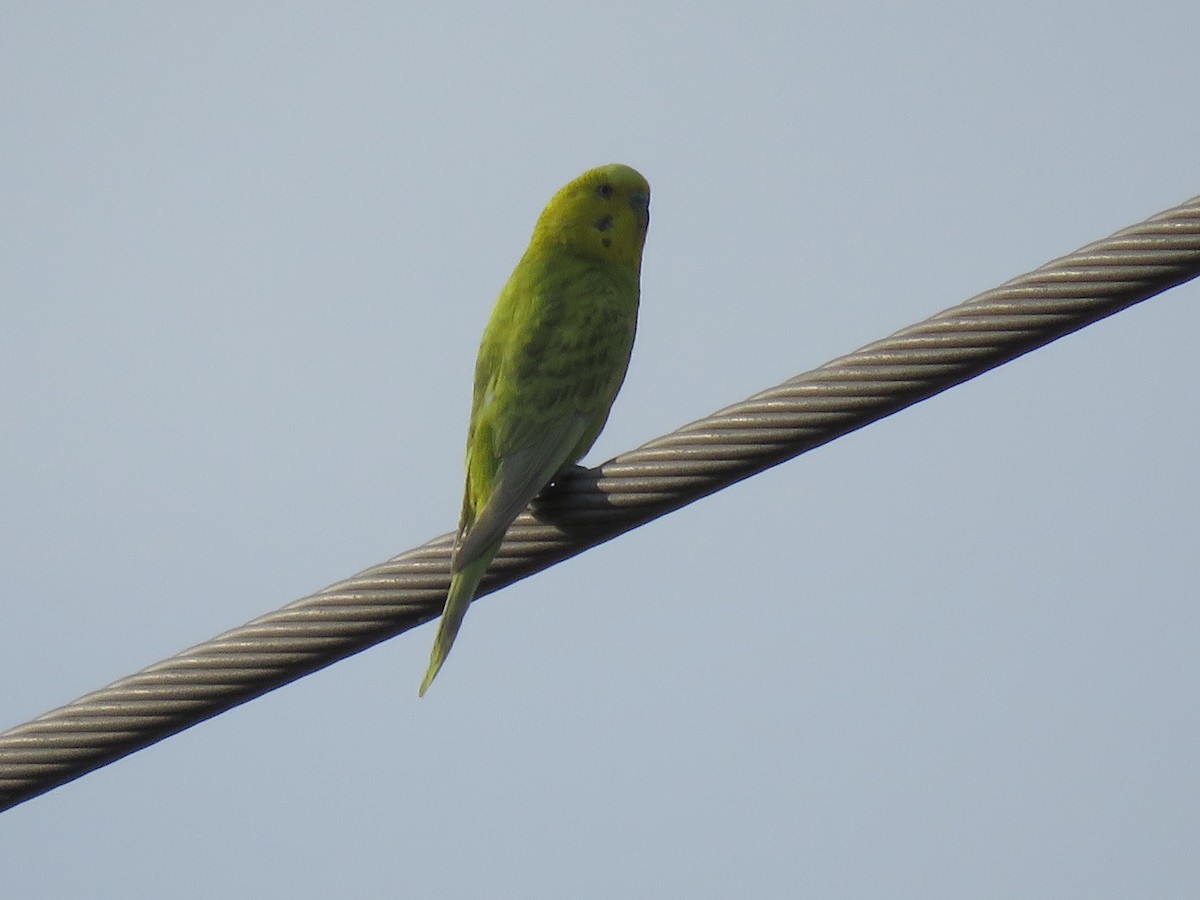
x=605, y=191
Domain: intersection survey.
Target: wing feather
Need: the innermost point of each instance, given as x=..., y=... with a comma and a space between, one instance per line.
x=520, y=475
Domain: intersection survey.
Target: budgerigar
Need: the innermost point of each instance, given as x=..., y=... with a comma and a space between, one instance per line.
x=552, y=359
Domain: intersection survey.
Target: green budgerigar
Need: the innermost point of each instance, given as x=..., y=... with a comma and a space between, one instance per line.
x=552, y=359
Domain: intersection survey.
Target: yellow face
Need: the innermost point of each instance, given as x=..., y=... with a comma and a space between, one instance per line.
x=603, y=214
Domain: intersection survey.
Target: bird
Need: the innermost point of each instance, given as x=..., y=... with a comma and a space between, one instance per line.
x=553, y=356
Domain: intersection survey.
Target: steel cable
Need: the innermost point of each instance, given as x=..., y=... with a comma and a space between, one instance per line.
x=592, y=506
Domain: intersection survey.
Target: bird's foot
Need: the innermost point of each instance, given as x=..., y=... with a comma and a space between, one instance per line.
x=565, y=474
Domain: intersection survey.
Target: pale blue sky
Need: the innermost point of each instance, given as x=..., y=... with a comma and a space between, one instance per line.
x=248, y=253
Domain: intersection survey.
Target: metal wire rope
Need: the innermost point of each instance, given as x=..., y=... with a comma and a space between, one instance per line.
x=593, y=506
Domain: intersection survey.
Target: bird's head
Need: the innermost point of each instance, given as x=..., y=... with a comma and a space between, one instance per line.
x=602, y=214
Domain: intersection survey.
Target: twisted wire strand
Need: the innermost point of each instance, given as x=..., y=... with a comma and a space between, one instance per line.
x=590, y=507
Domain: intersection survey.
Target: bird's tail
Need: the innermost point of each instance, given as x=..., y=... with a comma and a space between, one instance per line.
x=463, y=584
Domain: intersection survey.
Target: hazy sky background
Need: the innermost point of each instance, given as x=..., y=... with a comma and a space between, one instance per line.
x=247, y=254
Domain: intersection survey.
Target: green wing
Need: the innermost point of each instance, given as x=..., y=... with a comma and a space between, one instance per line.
x=519, y=477
x=548, y=370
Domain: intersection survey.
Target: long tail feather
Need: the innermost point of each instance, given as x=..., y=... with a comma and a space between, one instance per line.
x=463, y=585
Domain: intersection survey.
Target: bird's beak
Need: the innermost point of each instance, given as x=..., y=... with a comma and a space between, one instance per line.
x=639, y=202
